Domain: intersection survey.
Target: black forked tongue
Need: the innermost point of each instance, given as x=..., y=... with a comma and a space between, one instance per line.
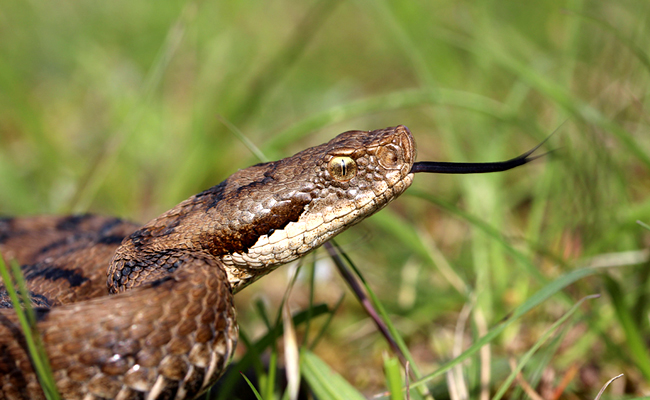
x=476, y=168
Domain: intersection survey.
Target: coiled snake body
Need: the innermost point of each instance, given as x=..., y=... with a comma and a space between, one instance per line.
x=162, y=326
x=168, y=327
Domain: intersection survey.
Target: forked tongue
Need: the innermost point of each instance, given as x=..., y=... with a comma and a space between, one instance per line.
x=439, y=167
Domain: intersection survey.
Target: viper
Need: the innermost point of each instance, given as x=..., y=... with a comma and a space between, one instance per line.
x=146, y=312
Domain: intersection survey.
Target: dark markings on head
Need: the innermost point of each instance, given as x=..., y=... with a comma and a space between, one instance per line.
x=240, y=241
x=53, y=273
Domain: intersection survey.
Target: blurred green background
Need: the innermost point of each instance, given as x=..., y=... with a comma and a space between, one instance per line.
x=118, y=108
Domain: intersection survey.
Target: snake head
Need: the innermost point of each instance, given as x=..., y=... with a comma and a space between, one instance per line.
x=272, y=213
x=358, y=173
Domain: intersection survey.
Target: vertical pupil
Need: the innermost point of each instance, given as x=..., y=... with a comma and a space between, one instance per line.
x=342, y=168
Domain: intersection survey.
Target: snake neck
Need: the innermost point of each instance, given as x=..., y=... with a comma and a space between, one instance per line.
x=224, y=223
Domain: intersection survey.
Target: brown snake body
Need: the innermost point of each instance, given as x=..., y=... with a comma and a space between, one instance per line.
x=162, y=326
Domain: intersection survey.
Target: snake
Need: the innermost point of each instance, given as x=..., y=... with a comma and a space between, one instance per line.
x=128, y=311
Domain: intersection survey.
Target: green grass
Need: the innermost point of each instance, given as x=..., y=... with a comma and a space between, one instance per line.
x=127, y=108
x=14, y=284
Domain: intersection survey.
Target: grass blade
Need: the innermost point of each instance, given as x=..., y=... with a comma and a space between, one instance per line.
x=325, y=383
x=27, y=320
x=250, y=384
x=634, y=338
x=393, y=377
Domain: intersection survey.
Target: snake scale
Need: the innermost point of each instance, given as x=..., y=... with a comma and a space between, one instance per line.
x=146, y=312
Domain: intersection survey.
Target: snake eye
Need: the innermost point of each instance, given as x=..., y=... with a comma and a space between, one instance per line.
x=342, y=168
